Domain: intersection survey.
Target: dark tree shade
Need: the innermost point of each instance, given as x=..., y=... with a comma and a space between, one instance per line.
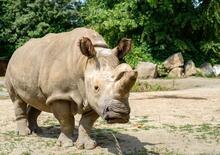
x=21, y=20
x=159, y=28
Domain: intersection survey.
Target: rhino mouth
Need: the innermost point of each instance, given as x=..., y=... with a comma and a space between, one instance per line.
x=116, y=115
x=111, y=120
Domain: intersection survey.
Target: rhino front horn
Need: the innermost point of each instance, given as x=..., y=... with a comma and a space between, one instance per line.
x=125, y=83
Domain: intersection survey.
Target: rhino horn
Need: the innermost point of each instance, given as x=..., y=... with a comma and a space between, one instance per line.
x=125, y=79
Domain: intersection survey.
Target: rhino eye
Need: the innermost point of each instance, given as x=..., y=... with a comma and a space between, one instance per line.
x=96, y=88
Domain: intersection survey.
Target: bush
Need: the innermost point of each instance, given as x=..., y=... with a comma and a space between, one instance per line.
x=159, y=28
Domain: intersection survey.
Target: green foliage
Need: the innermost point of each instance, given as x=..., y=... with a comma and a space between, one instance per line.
x=21, y=20
x=146, y=87
x=139, y=53
x=162, y=71
x=159, y=28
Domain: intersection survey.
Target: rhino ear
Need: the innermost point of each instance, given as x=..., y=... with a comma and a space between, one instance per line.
x=123, y=47
x=87, y=48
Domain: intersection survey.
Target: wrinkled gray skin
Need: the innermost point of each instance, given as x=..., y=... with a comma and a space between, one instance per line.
x=69, y=73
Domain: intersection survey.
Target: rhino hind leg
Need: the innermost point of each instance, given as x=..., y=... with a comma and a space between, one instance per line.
x=21, y=116
x=62, y=112
x=85, y=125
x=32, y=115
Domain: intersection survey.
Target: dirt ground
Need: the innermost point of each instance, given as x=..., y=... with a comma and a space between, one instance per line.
x=170, y=122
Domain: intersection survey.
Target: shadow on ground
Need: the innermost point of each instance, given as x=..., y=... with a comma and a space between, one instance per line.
x=170, y=97
x=114, y=141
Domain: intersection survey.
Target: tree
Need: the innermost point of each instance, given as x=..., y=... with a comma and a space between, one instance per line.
x=21, y=20
x=159, y=28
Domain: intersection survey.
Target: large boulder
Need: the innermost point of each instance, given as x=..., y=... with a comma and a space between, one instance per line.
x=190, y=68
x=216, y=70
x=207, y=69
x=176, y=73
x=146, y=70
x=175, y=60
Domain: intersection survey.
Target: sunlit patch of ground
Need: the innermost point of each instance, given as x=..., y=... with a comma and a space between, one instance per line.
x=170, y=122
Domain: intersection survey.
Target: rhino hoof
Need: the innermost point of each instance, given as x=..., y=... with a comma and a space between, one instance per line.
x=36, y=130
x=86, y=144
x=64, y=141
x=67, y=143
x=24, y=132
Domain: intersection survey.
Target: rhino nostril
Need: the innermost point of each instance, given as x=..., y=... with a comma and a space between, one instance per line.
x=107, y=109
x=106, y=117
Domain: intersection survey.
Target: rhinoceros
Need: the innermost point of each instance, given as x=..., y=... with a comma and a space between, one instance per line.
x=69, y=73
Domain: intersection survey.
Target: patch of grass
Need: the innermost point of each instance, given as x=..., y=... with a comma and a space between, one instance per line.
x=203, y=131
x=162, y=71
x=148, y=127
x=10, y=134
x=142, y=152
x=26, y=153
x=140, y=119
x=104, y=133
x=51, y=122
x=99, y=122
x=18, y=139
x=171, y=127
x=50, y=143
x=181, y=116
x=164, y=151
x=187, y=128
x=142, y=123
x=208, y=131
x=146, y=87
x=3, y=93
x=7, y=147
x=109, y=130
x=200, y=73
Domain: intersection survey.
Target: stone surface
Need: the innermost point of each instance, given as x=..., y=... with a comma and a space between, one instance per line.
x=176, y=73
x=216, y=70
x=190, y=68
x=207, y=69
x=146, y=70
x=175, y=60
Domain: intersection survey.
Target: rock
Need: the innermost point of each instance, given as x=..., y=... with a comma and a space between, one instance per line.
x=176, y=73
x=207, y=69
x=190, y=68
x=216, y=70
x=175, y=60
x=146, y=70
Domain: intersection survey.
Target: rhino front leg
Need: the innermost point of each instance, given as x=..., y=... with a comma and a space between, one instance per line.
x=62, y=112
x=84, y=141
x=21, y=116
x=32, y=114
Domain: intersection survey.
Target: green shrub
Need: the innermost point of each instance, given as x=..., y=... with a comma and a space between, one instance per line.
x=146, y=87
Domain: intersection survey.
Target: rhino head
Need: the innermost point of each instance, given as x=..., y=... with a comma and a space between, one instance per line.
x=107, y=82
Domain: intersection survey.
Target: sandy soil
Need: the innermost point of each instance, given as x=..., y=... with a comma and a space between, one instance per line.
x=172, y=122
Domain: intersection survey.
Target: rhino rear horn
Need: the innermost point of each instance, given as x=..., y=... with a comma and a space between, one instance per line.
x=87, y=47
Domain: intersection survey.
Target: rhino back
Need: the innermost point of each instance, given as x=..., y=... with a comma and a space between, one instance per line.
x=48, y=68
